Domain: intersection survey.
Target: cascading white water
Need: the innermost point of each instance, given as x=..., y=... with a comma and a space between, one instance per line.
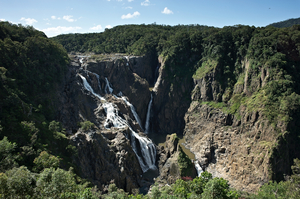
x=81, y=60
x=98, y=79
x=108, y=88
x=198, y=168
x=147, y=124
x=112, y=117
x=136, y=116
x=89, y=88
x=148, y=150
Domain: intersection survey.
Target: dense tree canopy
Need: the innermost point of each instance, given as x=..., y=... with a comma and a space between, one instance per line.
x=31, y=67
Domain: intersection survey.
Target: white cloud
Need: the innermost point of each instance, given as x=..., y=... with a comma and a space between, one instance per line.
x=130, y=0
x=98, y=27
x=28, y=21
x=69, y=18
x=145, y=3
x=128, y=7
x=55, y=17
x=166, y=11
x=129, y=16
x=60, y=30
x=2, y=19
x=108, y=26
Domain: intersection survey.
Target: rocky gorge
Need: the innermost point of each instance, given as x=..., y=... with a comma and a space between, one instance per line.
x=137, y=105
x=237, y=148
x=229, y=94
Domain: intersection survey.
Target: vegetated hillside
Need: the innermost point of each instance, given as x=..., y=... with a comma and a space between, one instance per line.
x=244, y=78
x=286, y=23
x=250, y=75
x=32, y=144
x=32, y=67
x=131, y=39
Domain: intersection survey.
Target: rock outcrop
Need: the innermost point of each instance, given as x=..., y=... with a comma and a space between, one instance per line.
x=242, y=147
x=104, y=153
x=237, y=150
x=169, y=162
x=105, y=157
x=128, y=74
x=170, y=102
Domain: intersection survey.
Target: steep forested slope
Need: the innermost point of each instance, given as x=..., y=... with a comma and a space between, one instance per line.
x=286, y=23
x=233, y=93
x=33, y=145
x=32, y=66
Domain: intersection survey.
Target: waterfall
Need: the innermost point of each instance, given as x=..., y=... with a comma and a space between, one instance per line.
x=89, y=88
x=98, y=79
x=112, y=117
x=108, y=88
x=148, y=116
x=136, y=116
x=81, y=60
x=148, y=150
x=198, y=168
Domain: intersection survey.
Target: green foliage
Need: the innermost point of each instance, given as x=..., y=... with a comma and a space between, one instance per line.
x=114, y=192
x=206, y=67
x=86, y=125
x=53, y=182
x=199, y=183
x=201, y=187
x=45, y=160
x=32, y=68
x=19, y=183
x=217, y=188
x=55, y=126
x=7, y=156
x=273, y=190
x=286, y=23
x=185, y=164
x=50, y=183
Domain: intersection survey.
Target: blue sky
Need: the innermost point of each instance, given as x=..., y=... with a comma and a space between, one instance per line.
x=77, y=16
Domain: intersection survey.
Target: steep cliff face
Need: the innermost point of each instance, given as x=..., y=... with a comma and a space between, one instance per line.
x=171, y=101
x=237, y=150
x=234, y=140
x=102, y=93
x=130, y=75
x=105, y=157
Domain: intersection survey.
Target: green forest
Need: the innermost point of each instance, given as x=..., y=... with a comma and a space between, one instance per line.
x=286, y=23
x=35, y=154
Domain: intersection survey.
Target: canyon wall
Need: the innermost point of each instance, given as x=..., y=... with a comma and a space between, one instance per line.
x=241, y=144
x=105, y=153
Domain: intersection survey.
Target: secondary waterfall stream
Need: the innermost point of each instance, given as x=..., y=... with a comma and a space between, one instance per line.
x=142, y=146
x=147, y=125
x=146, y=146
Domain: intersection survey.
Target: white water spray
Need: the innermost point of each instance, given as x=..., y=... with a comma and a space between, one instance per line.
x=198, y=167
x=136, y=116
x=98, y=79
x=89, y=88
x=108, y=88
x=148, y=150
x=148, y=116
